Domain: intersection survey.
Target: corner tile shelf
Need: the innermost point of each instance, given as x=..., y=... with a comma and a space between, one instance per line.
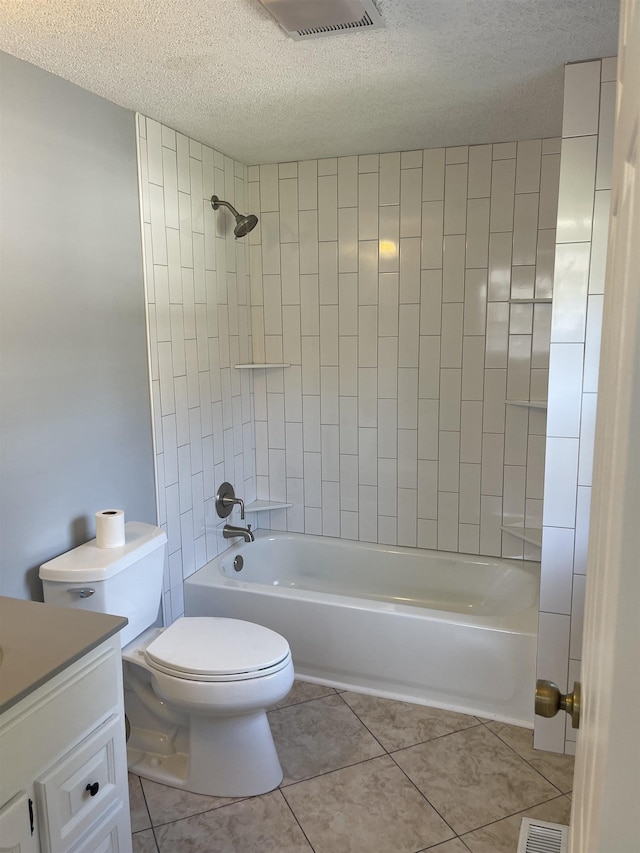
x=532, y=535
x=529, y=404
x=258, y=366
x=265, y=506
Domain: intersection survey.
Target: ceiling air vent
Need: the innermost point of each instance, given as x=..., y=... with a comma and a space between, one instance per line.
x=312, y=19
x=538, y=836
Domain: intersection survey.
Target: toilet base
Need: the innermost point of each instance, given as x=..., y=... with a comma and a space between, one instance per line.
x=228, y=757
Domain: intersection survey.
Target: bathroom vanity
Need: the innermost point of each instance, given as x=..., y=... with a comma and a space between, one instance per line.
x=63, y=768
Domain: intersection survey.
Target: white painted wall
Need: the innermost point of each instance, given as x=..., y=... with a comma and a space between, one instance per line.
x=75, y=419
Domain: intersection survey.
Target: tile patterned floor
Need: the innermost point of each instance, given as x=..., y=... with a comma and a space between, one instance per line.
x=368, y=775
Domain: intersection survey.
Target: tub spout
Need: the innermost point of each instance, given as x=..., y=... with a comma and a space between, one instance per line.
x=229, y=532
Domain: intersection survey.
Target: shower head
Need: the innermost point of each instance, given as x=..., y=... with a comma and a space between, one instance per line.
x=244, y=223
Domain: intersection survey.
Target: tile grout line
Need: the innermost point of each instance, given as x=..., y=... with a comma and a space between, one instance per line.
x=155, y=838
x=366, y=761
x=301, y=701
x=532, y=766
x=283, y=786
x=420, y=742
x=560, y=793
x=432, y=739
x=425, y=798
x=144, y=797
x=205, y=811
x=390, y=755
x=381, y=745
x=295, y=817
x=442, y=843
x=513, y=814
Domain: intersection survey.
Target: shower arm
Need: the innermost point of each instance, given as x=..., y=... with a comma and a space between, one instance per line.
x=218, y=202
x=244, y=224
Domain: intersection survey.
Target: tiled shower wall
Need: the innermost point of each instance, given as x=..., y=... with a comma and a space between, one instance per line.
x=199, y=328
x=400, y=288
x=583, y=220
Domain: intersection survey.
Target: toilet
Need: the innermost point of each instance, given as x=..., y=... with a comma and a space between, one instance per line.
x=196, y=693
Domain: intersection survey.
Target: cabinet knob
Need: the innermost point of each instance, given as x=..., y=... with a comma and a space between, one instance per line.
x=93, y=788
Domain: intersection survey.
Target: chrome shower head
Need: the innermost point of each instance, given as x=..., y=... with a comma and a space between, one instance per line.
x=244, y=223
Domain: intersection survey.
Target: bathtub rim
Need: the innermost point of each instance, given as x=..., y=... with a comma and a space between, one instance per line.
x=409, y=550
x=521, y=622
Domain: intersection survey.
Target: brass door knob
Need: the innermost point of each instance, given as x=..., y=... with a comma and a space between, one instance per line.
x=549, y=700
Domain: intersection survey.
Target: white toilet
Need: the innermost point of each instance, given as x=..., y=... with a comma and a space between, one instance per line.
x=196, y=693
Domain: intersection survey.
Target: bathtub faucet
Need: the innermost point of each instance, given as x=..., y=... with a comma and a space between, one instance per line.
x=229, y=532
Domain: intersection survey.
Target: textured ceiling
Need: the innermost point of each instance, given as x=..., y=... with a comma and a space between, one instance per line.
x=442, y=72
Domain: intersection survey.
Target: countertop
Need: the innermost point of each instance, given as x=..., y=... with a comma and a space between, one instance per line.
x=37, y=641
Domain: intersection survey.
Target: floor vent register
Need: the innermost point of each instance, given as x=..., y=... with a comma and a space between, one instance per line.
x=538, y=836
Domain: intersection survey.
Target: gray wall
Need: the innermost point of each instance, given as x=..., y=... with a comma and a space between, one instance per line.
x=75, y=424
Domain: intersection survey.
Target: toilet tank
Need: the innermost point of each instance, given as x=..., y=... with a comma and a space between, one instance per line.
x=124, y=581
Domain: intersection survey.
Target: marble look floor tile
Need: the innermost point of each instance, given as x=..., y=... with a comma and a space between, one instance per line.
x=368, y=808
x=472, y=778
x=167, y=804
x=144, y=842
x=262, y=824
x=401, y=724
x=303, y=691
x=138, y=808
x=502, y=837
x=318, y=736
x=558, y=769
x=453, y=846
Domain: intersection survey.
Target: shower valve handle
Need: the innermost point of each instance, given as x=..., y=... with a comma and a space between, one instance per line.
x=226, y=499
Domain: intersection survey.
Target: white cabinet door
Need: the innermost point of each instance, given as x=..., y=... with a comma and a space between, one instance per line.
x=78, y=790
x=15, y=827
x=111, y=835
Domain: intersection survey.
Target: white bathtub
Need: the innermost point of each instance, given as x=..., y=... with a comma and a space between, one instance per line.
x=442, y=629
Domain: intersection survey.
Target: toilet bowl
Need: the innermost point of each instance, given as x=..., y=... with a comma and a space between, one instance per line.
x=218, y=676
x=196, y=692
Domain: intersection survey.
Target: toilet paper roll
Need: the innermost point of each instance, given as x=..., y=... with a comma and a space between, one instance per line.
x=110, y=528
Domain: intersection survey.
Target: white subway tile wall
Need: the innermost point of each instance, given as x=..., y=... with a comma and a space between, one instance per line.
x=199, y=302
x=576, y=322
x=395, y=286
x=387, y=282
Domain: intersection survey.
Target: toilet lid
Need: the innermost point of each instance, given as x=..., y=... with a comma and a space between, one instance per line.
x=205, y=648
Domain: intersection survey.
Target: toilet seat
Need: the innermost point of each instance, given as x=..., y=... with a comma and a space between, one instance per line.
x=203, y=648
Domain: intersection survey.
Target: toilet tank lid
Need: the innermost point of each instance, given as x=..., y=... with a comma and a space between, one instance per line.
x=90, y=563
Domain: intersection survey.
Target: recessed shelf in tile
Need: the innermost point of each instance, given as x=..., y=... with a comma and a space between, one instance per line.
x=529, y=404
x=532, y=535
x=258, y=366
x=265, y=506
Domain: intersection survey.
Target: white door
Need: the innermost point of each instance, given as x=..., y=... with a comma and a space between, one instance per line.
x=606, y=806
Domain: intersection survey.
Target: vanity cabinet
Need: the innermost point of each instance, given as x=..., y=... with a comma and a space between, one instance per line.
x=15, y=826
x=63, y=767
